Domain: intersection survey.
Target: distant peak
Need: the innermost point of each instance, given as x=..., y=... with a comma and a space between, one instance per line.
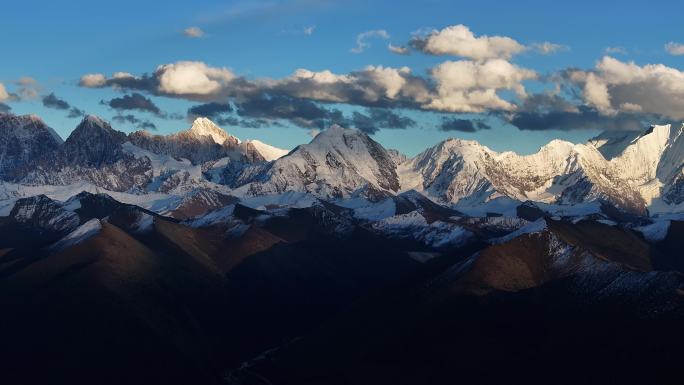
x=94, y=120
x=35, y=118
x=336, y=131
x=205, y=127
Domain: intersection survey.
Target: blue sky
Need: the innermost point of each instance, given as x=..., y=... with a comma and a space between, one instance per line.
x=55, y=43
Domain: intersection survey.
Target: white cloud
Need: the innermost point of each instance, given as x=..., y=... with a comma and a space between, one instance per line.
x=398, y=49
x=673, y=48
x=193, y=32
x=616, y=86
x=92, y=80
x=367, y=86
x=309, y=30
x=547, y=48
x=26, y=81
x=471, y=86
x=362, y=39
x=456, y=86
x=596, y=94
x=458, y=40
x=28, y=88
x=192, y=78
x=4, y=95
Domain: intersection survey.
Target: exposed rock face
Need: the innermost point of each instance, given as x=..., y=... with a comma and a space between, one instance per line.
x=42, y=212
x=23, y=139
x=94, y=143
x=92, y=153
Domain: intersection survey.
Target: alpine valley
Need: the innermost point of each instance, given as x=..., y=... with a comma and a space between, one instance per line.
x=199, y=258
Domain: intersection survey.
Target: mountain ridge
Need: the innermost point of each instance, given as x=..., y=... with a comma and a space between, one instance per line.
x=645, y=174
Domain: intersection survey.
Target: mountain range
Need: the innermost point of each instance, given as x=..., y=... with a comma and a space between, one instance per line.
x=199, y=258
x=638, y=173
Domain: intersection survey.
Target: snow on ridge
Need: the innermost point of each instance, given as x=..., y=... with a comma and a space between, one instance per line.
x=413, y=225
x=537, y=226
x=267, y=151
x=205, y=127
x=80, y=234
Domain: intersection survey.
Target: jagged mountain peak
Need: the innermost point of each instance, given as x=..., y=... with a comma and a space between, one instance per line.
x=26, y=126
x=94, y=125
x=23, y=139
x=93, y=143
x=205, y=127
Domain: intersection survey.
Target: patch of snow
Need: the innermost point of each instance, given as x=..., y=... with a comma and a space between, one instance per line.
x=370, y=211
x=656, y=231
x=293, y=199
x=221, y=215
x=82, y=232
x=422, y=256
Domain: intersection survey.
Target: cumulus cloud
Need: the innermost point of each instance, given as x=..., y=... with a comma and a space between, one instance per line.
x=93, y=80
x=52, y=101
x=147, y=125
x=75, y=113
x=193, y=32
x=211, y=110
x=301, y=112
x=309, y=30
x=398, y=49
x=463, y=125
x=373, y=86
x=547, y=48
x=184, y=79
x=551, y=111
x=28, y=88
x=377, y=118
x=192, y=78
x=362, y=39
x=615, y=86
x=4, y=95
x=134, y=101
x=470, y=86
x=136, y=122
x=453, y=86
x=459, y=40
x=584, y=118
x=673, y=48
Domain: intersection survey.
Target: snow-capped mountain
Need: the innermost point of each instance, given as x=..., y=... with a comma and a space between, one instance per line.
x=203, y=142
x=646, y=174
x=23, y=139
x=640, y=173
x=337, y=163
